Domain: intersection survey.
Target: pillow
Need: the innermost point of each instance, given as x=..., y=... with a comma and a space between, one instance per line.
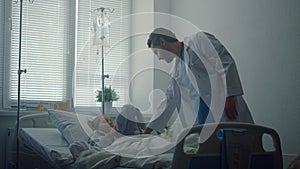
x=84, y=122
x=69, y=125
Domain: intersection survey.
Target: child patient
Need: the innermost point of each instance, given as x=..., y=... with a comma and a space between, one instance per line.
x=103, y=123
x=129, y=121
x=103, y=131
x=103, y=135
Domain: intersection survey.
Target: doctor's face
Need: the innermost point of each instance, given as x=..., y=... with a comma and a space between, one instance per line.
x=163, y=54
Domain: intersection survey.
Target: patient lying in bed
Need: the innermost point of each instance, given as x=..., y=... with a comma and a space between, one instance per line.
x=109, y=142
x=103, y=131
x=102, y=123
x=130, y=121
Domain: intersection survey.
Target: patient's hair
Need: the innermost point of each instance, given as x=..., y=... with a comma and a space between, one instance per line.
x=158, y=33
x=130, y=121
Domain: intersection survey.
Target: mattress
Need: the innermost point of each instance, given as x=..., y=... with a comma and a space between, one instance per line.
x=44, y=141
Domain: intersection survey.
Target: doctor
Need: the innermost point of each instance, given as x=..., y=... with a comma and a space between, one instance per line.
x=192, y=80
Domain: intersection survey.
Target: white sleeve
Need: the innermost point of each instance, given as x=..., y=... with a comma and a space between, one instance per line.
x=234, y=86
x=210, y=49
x=165, y=109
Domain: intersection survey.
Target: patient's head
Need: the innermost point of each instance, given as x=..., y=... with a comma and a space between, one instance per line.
x=130, y=120
x=103, y=123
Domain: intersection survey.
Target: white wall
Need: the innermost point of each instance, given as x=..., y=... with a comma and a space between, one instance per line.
x=141, y=80
x=264, y=39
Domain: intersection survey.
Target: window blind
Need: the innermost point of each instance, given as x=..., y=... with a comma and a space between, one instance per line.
x=45, y=51
x=88, y=63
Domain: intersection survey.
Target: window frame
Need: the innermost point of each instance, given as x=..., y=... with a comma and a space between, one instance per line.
x=107, y=53
x=8, y=103
x=71, y=45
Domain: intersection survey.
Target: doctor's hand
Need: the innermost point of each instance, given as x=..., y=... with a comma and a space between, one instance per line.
x=230, y=109
x=148, y=130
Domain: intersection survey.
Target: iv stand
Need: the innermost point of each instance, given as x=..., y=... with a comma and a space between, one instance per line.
x=20, y=71
x=102, y=62
x=102, y=75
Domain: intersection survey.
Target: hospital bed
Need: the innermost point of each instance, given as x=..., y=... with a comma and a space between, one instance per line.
x=38, y=137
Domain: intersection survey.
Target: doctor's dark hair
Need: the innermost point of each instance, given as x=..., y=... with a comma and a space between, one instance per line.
x=160, y=33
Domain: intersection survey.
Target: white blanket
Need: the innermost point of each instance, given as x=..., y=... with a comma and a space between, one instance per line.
x=140, y=151
x=140, y=146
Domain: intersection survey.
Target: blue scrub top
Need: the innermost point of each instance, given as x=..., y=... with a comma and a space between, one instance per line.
x=199, y=104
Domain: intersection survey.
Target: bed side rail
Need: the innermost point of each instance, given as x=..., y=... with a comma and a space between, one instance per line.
x=37, y=120
x=209, y=153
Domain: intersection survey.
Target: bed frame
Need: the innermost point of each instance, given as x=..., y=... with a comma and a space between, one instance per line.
x=37, y=120
x=28, y=159
x=243, y=148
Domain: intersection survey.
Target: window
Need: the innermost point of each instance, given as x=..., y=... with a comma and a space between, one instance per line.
x=46, y=37
x=61, y=62
x=88, y=63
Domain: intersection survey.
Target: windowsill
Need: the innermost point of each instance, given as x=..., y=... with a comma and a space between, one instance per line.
x=96, y=110
x=13, y=112
x=82, y=110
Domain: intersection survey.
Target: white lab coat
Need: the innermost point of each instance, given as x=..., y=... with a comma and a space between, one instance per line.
x=213, y=73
